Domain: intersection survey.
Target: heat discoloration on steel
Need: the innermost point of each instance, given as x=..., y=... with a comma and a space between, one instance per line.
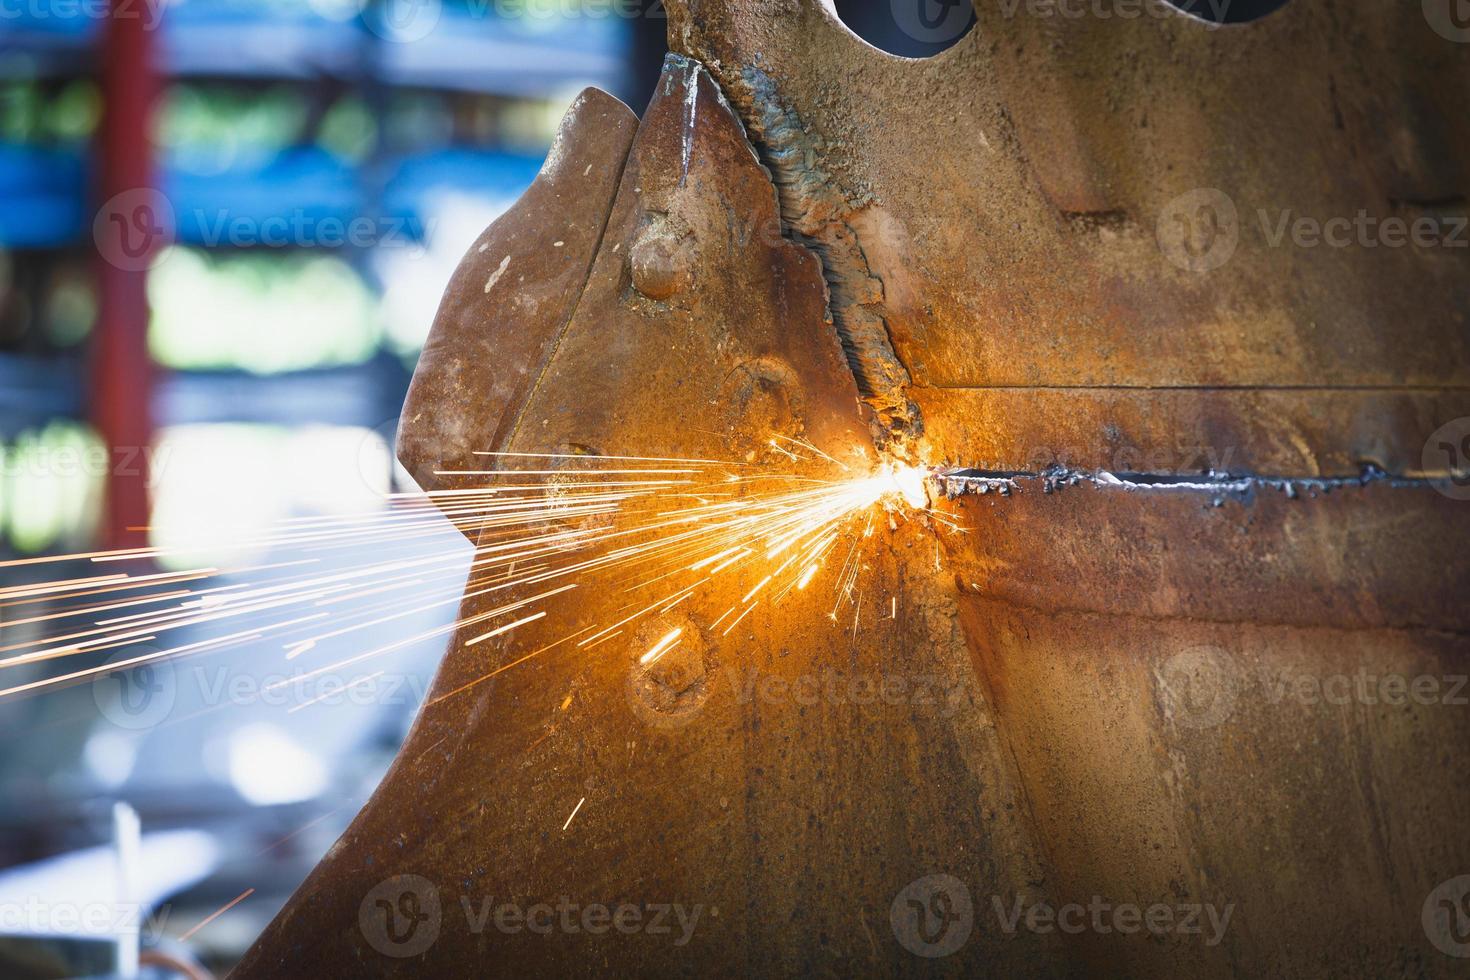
x=1203, y=483
x=710, y=775
x=1061, y=306
x=1022, y=201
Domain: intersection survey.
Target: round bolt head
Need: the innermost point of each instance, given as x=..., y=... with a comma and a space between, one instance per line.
x=659, y=266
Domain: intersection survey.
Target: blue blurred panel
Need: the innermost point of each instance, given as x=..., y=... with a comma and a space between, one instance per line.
x=251, y=39
x=42, y=197
x=40, y=39
x=35, y=25
x=301, y=197
x=419, y=184
x=363, y=395
x=475, y=50
x=34, y=390
x=40, y=22
x=462, y=46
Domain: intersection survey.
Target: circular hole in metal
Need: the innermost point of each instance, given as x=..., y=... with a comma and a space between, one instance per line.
x=908, y=28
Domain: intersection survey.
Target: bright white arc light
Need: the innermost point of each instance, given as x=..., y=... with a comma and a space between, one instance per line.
x=908, y=483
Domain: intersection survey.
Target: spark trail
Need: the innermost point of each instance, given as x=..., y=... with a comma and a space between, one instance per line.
x=663, y=531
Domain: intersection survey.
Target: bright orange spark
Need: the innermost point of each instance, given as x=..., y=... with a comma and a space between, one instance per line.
x=554, y=528
x=663, y=646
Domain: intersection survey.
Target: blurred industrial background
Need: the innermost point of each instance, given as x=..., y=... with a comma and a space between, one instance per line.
x=225, y=226
x=224, y=229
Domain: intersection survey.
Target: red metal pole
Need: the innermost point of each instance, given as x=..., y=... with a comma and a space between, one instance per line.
x=129, y=229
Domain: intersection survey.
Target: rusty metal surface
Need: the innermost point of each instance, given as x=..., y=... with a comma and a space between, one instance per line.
x=1198, y=700
x=994, y=258
x=511, y=298
x=704, y=788
x=1017, y=208
x=1065, y=215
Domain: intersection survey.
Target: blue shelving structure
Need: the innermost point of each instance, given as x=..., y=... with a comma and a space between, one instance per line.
x=47, y=207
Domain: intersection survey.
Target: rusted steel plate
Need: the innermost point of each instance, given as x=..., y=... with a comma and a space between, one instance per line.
x=739, y=783
x=1338, y=555
x=1075, y=227
x=1255, y=708
x=1048, y=205
x=1264, y=431
x=702, y=329
x=999, y=252
x=1256, y=773
x=511, y=298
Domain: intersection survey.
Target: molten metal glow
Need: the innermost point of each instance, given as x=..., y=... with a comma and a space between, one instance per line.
x=908, y=482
